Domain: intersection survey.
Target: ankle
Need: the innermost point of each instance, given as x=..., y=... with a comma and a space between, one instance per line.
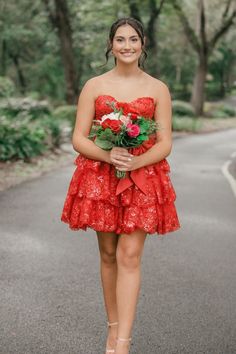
x=123, y=341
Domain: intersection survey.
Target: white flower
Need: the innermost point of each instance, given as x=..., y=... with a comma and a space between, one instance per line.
x=125, y=119
x=113, y=116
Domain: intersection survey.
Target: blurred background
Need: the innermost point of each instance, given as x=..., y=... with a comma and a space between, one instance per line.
x=49, y=48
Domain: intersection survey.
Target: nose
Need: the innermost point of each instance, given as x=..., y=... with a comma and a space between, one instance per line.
x=127, y=44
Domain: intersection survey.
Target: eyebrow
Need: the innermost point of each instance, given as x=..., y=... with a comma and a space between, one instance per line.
x=134, y=36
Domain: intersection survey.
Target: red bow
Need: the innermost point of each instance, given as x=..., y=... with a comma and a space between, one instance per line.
x=137, y=177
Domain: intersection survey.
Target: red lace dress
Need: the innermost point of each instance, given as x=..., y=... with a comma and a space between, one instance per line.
x=97, y=199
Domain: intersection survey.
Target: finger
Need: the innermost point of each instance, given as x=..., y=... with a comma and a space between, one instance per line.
x=122, y=168
x=121, y=151
x=121, y=158
x=119, y=164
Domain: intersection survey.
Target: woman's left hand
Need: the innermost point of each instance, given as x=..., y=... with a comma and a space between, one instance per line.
x=123, y=160
x=130, y=165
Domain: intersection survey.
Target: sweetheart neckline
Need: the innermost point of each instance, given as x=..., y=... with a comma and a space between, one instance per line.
x=136, y=99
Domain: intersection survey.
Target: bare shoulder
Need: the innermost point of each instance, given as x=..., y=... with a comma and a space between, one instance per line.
x=158, y=87
x=93, y=85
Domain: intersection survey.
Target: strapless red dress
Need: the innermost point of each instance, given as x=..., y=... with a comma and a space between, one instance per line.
x=144, y=200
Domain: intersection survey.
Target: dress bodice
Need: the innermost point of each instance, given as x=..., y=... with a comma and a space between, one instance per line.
x=143, y=106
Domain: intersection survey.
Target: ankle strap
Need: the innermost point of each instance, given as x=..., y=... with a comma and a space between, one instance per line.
x=124, y=339
x=112, y=324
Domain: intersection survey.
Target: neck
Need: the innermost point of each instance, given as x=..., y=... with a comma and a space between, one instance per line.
x=127, y=70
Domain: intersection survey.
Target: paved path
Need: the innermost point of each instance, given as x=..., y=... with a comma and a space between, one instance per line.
x=51, y=298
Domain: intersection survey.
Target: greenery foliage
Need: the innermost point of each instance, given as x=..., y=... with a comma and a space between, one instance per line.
x=27, y=129
x=224, y=111
x=32, y=63
x=30, y=52
x=28, y=106
x=187, y=124
x=182, y=109
x=7, y=87
x=19, y=141
x=65, y=113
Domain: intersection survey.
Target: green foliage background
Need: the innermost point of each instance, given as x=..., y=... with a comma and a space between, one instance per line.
x=27, y=35
x=32, y=66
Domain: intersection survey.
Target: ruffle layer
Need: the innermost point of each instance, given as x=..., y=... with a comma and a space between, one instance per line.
x=92, y=202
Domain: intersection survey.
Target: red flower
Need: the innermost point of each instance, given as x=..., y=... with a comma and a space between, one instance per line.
x=114, y=125
x=133, y=116
x=105, y=123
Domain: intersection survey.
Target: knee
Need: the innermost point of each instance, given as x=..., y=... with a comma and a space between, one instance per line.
x=128, y=259
x=108, y=256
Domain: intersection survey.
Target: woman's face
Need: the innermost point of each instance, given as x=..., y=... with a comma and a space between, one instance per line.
x=126, y=44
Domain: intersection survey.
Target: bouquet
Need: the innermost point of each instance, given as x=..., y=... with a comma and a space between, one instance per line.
x=123, y=129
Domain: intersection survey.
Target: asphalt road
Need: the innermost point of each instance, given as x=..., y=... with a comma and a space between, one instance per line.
x=51, y=297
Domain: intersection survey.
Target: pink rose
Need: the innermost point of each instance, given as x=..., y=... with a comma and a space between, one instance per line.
x=133, y=130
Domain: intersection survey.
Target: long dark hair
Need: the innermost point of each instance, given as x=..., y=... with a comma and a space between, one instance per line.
x=137, y=26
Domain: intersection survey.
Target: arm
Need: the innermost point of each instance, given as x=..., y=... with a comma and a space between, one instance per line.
x=162, y=148
x=163, y=116
x=84, y=118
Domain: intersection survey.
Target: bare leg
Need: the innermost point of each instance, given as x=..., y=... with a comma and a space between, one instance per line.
x=128, y=255
x=107, y=243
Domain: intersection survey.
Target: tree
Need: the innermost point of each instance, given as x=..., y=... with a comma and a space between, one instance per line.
x=202, y=45
x=60, y=20
x=154, y=13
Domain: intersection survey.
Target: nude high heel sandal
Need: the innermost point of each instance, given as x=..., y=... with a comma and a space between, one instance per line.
x=123, y=339
x=109, y=324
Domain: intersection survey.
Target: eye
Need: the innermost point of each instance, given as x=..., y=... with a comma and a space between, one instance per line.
x=119, y=40
x=134, y=39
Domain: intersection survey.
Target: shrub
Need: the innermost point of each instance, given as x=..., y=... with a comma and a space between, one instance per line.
x=7, y=87
x=224, y=111
x=187, y=124
x=19, y=141
x=53, y=132
x=182, y=109
x=33, y=108
x=65, y=113
x=24, y=138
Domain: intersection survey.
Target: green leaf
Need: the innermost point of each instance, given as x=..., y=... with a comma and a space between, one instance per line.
x=104, y=144
x=142, y=137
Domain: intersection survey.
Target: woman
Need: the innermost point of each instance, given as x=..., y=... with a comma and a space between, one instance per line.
x=122, y=219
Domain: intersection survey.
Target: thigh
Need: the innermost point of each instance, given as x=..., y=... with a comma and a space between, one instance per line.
x=107, y=241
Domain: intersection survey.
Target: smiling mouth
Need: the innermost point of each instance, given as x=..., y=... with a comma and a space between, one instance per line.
x=127, y=53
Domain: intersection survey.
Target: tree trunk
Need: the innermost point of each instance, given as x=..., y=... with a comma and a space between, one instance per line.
x=222, y=83
x=4, y=58
x=69, y=67
x=19, y=71
x=134, y=10
x=152, y=47
x=198, y=90
x=65, y=36
x=61, y=21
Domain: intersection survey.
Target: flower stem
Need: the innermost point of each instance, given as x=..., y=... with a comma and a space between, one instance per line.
x=120, y=174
